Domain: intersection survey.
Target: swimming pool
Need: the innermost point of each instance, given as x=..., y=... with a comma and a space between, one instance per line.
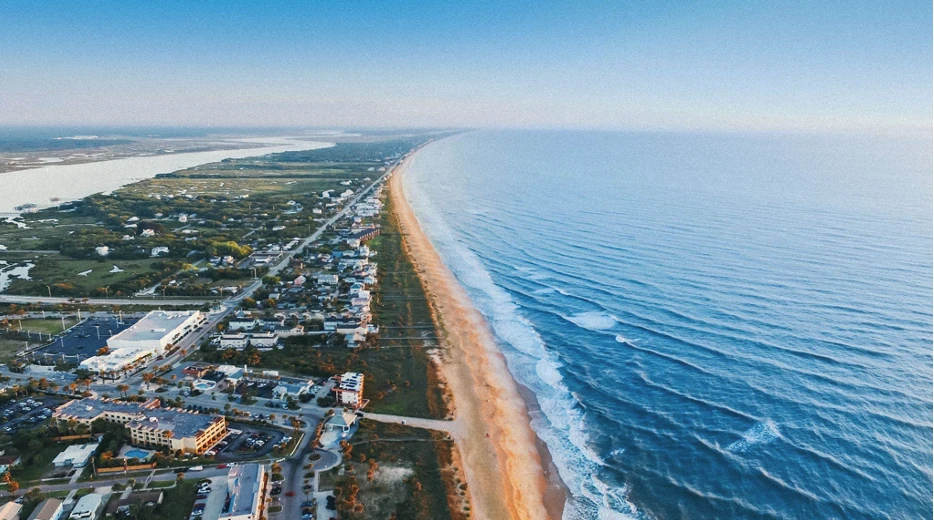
x=136, y=454
x=204, y=385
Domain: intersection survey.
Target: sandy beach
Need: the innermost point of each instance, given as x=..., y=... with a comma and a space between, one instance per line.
x=504, y=468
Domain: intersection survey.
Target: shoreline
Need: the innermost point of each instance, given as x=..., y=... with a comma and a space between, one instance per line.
x=514, y=479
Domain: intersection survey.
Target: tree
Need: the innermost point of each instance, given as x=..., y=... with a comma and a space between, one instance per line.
x=12, y=486
x=123, y=388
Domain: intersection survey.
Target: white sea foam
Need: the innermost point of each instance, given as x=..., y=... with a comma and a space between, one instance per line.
x=595, y=321
x=763, y=432
x=561, y=424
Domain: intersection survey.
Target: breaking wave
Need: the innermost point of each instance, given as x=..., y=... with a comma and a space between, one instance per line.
x=560, y=425
x=762, y=433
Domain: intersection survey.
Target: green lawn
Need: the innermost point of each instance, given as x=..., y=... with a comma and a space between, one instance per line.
x=56, y=269
x=178, y=501
x=35, y=469
x=45, y=326
x=9, y=347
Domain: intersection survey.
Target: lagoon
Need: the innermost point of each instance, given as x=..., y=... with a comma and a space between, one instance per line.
x=75, y=181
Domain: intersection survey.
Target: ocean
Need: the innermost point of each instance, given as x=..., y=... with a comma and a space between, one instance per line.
x=714, y=325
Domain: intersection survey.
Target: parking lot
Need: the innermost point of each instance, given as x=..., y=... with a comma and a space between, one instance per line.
x=81, y=341
x=252, y=442
x=209, y=504
x=26, y=413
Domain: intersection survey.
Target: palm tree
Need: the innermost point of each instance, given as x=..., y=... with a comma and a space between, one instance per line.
x=123, y=388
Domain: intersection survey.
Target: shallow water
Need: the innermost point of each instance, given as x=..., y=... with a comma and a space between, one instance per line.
x=716, y=326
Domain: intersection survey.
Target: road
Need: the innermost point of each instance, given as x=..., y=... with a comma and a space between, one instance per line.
x=122, y=478
x=274, y=270
x=147, y=302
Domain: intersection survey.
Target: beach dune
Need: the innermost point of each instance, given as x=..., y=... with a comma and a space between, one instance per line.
x=497, y=445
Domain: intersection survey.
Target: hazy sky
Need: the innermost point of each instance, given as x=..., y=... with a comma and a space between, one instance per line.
x=603, y=64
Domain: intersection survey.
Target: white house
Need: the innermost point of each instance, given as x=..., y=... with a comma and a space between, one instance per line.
x=102, y=250
x=327, y=279
x=87, y=507
x=156, y=251
x=264, y=340
x=75, y=456
x=343, y=422
x=236, y=341
x=242, y=323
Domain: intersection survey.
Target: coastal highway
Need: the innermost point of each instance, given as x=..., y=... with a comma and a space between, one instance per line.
x=147, y=302
x=274, y=270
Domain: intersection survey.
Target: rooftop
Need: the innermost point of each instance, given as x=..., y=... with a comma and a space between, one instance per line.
x=46, y=510
x=75, y=453
x=92, y=407
x=243, y=486
x=351, y=381
x=181, y=423
x=154, y=326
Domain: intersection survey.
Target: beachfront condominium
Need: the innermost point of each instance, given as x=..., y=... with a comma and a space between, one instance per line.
x=246, y=485
x=349, y=390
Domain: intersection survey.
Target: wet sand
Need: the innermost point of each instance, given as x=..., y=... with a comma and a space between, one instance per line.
x=502, y=458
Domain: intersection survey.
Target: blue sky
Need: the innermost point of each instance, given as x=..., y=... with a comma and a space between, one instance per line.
x=602, y=64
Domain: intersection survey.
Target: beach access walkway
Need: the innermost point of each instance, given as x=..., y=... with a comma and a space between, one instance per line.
x=451, y=427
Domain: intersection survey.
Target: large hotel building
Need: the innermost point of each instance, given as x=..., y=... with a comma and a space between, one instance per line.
x=148, y=424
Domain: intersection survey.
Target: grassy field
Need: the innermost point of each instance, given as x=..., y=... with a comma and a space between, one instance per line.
x=9, y=347
x=33, y=471
x=60, y=274
x=45, y=326
x=412, y=477
x=178, y=501
x=406, y=327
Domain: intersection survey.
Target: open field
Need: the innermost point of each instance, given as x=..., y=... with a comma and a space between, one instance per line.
x=60, y=275
x=45, y=326
x=9, y=347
